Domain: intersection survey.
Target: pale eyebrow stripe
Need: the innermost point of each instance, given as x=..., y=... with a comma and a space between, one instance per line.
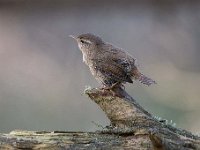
x=87, y=41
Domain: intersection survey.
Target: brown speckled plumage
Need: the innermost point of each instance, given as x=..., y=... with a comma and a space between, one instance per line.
x=108, y=64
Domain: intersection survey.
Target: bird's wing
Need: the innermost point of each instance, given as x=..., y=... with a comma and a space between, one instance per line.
x=115, y=63
x=116, y=69
x=123, y=58
x=121, y=55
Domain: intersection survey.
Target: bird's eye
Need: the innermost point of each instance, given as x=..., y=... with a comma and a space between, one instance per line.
x=87, y=42
x=82, y=41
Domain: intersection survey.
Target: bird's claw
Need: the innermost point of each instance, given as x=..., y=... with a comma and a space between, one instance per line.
x=112, y=88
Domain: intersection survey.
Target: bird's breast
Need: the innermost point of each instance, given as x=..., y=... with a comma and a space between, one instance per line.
x=89, y=57
x=84, y=58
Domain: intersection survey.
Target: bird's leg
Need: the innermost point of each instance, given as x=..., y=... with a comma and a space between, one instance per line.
x=112, y=88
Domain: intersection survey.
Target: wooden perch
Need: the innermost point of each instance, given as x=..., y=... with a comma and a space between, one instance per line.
x=131, y=128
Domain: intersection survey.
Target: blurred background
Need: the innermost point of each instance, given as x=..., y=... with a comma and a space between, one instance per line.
x=42, y=76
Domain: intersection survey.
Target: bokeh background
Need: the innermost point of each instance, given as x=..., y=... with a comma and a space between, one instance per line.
x=42, y=77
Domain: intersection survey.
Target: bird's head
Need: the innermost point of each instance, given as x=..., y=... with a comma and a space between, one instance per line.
x=88, y=41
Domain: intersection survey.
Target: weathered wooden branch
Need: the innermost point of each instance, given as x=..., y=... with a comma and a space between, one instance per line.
x=131, y=128
x=128, y=117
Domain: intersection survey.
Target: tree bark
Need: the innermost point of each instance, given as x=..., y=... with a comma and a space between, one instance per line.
x=131, y=127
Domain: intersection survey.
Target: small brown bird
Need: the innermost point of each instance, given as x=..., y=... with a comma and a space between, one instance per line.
x=111, y=66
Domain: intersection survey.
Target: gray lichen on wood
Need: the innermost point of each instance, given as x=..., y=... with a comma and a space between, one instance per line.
x=131, y=127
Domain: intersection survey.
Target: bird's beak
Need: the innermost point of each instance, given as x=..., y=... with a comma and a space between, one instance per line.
x=72, y=36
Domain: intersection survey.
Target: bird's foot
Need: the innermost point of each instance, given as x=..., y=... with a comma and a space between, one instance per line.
x=115, y=85
x=113, y=88
x=110, y=88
